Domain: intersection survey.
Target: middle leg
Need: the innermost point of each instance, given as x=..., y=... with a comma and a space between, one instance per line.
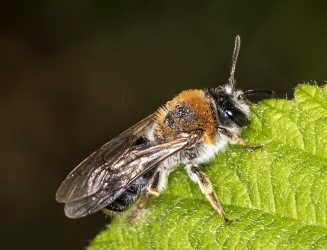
x=207, y=189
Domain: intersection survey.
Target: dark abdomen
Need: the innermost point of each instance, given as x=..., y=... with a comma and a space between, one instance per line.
x=131, y=195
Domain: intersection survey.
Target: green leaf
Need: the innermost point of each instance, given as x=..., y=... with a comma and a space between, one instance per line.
x=276, y=198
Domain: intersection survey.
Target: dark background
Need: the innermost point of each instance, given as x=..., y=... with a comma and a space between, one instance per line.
x=74, y=74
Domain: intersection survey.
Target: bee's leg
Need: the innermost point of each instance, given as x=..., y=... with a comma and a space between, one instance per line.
x=157, y=184
x=234, y=139
x=139, y=210
x=207, y=189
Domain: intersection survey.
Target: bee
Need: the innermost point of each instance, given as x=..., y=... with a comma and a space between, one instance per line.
x=190, y=129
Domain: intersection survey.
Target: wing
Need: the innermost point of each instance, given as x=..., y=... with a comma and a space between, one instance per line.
x=86, y=178
x=108, y=172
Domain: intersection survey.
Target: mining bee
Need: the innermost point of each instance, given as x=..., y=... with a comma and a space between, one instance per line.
x=190, y=129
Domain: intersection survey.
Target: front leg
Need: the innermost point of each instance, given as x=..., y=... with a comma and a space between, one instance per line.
x=234, y=139
x=156, y=185
x=207, y=189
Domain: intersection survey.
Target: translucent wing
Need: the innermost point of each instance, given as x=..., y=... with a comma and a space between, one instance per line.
x=86, y=178
x=108, y=172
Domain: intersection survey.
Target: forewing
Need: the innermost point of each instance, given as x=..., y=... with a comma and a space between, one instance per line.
x=87, y=178
x=134, y=163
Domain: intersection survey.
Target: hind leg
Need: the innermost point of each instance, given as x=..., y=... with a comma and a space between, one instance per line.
x=157, y=184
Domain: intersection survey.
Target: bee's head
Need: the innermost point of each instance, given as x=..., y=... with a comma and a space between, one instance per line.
x=231, y=104
x=231, y=110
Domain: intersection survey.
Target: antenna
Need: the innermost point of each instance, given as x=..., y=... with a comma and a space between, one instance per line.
x=237, y=46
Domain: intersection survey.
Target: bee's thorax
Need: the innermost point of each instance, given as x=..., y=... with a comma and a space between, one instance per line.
x=188, y=112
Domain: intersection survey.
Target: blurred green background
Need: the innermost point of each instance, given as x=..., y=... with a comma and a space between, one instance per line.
x=74, y=74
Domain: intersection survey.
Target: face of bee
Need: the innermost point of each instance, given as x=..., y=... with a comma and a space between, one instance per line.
x=232, y=109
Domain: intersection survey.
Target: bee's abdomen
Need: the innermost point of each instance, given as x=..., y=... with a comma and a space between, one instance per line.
x=131, y=195
x=123, y=202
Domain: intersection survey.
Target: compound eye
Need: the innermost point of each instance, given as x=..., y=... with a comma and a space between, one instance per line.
x=237, y=116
